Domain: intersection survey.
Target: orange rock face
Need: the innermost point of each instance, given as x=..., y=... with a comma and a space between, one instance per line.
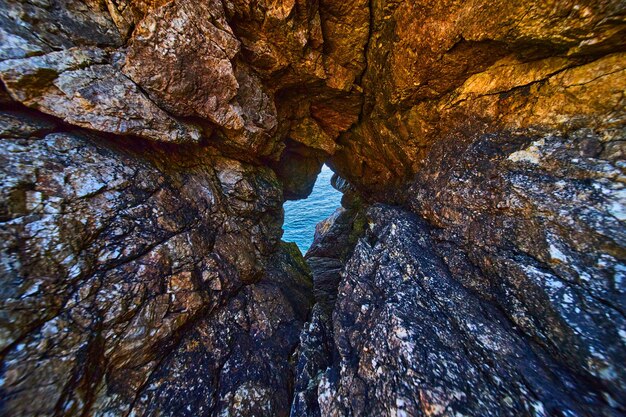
x=436, y=71
x=146, y=147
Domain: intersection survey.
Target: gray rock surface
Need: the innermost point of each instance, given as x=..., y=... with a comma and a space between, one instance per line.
x=498, y=291
x=122, y=267
x=413, y=340
x=146, y=147
x=334, y=242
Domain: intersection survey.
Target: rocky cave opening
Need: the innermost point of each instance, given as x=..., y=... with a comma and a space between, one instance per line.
x=302, y=216
x=476, y=266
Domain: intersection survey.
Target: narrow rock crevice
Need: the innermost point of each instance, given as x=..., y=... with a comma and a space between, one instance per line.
x=476, y=266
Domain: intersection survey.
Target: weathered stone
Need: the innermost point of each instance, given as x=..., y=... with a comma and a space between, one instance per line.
x=315, y=354
x=156, y=66
x=19, y=124
x=181, y=54
x=412, y=339
x=81, y=87
x=31, y=28
x=335, y=239
x=541, y=229
x=456, y=69
x=141, y=266
x=235, y=361
x=309, y=133
x=112, y=255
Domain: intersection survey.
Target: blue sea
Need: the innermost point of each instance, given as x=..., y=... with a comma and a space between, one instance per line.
x=301, y=216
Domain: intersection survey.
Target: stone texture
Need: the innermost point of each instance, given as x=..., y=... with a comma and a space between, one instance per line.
x=497, y=291
x=298, y=168
x=81, y=87
x=334, y=242
x=501, y=126
x=184, y=71
x=236, y=361
x=147, y=146
x=444, y=72
x=413, y=340
x=116, y=259
x=32, y=28
x=547, y=243
x=183, y=55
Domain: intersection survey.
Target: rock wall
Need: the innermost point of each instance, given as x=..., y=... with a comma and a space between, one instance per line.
x=477, y=265
x=497, y=287
x=142, y=278
x=257, y=80
x=497, y=291
x=450, y=71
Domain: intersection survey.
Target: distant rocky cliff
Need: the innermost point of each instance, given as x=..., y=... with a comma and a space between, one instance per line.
x=476, y=269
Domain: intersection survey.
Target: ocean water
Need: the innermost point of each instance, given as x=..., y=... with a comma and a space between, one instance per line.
x=301, y=216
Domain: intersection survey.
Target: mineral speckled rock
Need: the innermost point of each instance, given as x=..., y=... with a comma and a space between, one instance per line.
x=475, y=269
x=414, y=340
x=334, y=241
x=234, y=73
x=484, y=295
x=112, y=256
x=236, y=361
x=81, y=87
x=546, y=245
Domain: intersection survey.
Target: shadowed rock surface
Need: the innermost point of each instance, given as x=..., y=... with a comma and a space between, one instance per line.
x=123, y=269
x=335, y=239
x=494, y=308
x=475, y=269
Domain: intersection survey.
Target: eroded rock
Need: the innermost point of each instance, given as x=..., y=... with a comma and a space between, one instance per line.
x=413, y=339
x=141, y=265
x=113, y=257
x=445, y=72
x=335, y=239
x=83, y=88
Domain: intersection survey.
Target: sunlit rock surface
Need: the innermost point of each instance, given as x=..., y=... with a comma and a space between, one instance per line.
x=445, y=72
x=476, y=268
